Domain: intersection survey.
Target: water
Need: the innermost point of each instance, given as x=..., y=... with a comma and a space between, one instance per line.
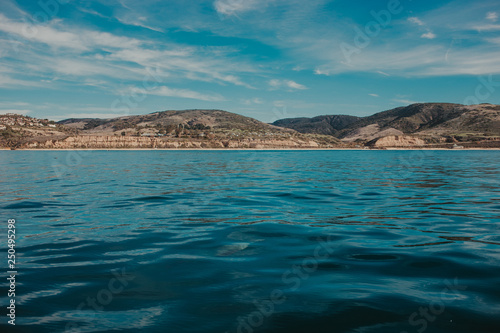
x=253, y=241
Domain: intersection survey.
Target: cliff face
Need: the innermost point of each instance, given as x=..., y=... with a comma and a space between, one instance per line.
x=117, y=142
x=396, y=141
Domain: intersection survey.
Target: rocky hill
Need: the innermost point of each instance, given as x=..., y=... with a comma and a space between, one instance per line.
x=187, y=119
x=170, y=129
x=328, y=125
x=435, y=123
x=16, y=129
x=431, y=119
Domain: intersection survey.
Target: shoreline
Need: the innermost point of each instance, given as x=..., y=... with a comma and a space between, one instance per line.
x=238, y=149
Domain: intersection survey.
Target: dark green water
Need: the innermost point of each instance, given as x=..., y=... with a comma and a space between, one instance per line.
x=242, y=241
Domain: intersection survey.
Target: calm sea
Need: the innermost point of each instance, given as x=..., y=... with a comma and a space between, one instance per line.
x=252, y=241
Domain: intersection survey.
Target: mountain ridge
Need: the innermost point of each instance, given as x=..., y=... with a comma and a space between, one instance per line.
x=324, y=124
x=437, y=125
x=193, y=128
x=430, y=120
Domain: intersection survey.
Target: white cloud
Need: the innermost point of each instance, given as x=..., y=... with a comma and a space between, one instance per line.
x=373, y=95
x=320, y=71
x=383, y=73
x=59, y=51
x=181, y=93
x=234, y=7
x=423, y=60
x=253, y=101
x=277, y=84
x=295, y=85
x=137, y=21
x=487, y=27
x=404, y=101
x=416, y=21
x=492, y=16
x=56, y=36
x=11, y=83
x=429, y=35
x=494, y=40
x=92, y=12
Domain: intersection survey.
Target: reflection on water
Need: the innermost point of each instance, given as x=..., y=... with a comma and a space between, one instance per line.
x=241, y=241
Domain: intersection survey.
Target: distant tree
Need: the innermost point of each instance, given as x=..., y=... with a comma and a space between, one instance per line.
x=123, y=133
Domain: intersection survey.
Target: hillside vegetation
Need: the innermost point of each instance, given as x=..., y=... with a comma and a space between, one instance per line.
x=442, y=125
x=173, y=129
x=435, y=123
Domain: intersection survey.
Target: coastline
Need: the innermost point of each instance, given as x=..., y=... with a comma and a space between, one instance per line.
x=239, y=149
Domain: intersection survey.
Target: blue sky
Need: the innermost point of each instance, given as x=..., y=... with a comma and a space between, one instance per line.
x=264, y=59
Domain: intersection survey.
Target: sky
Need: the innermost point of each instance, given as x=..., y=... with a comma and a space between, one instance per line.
x=268, y=60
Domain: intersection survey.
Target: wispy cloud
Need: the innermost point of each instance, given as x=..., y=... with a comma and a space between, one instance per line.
x=11, y=83
x=416, y=21
x=487, y=27
x=492, y=16
x=137, y=21
x=80, y=54
x=234, y=7
x=429, y=35
x=251, y=101
x=58, y=37
x=382, y=73
x=404, y=101
x=173, y=92
x=223, y=53
x=287, y=84
x=321, y=71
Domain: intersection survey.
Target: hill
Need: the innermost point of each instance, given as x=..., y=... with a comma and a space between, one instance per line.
x=186, y=119
x=17, y=129
x=328, y=125
x=431, y=122
x=172, y=129
x=437, y=125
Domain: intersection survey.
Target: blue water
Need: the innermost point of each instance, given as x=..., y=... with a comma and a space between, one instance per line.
x=253, y=241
